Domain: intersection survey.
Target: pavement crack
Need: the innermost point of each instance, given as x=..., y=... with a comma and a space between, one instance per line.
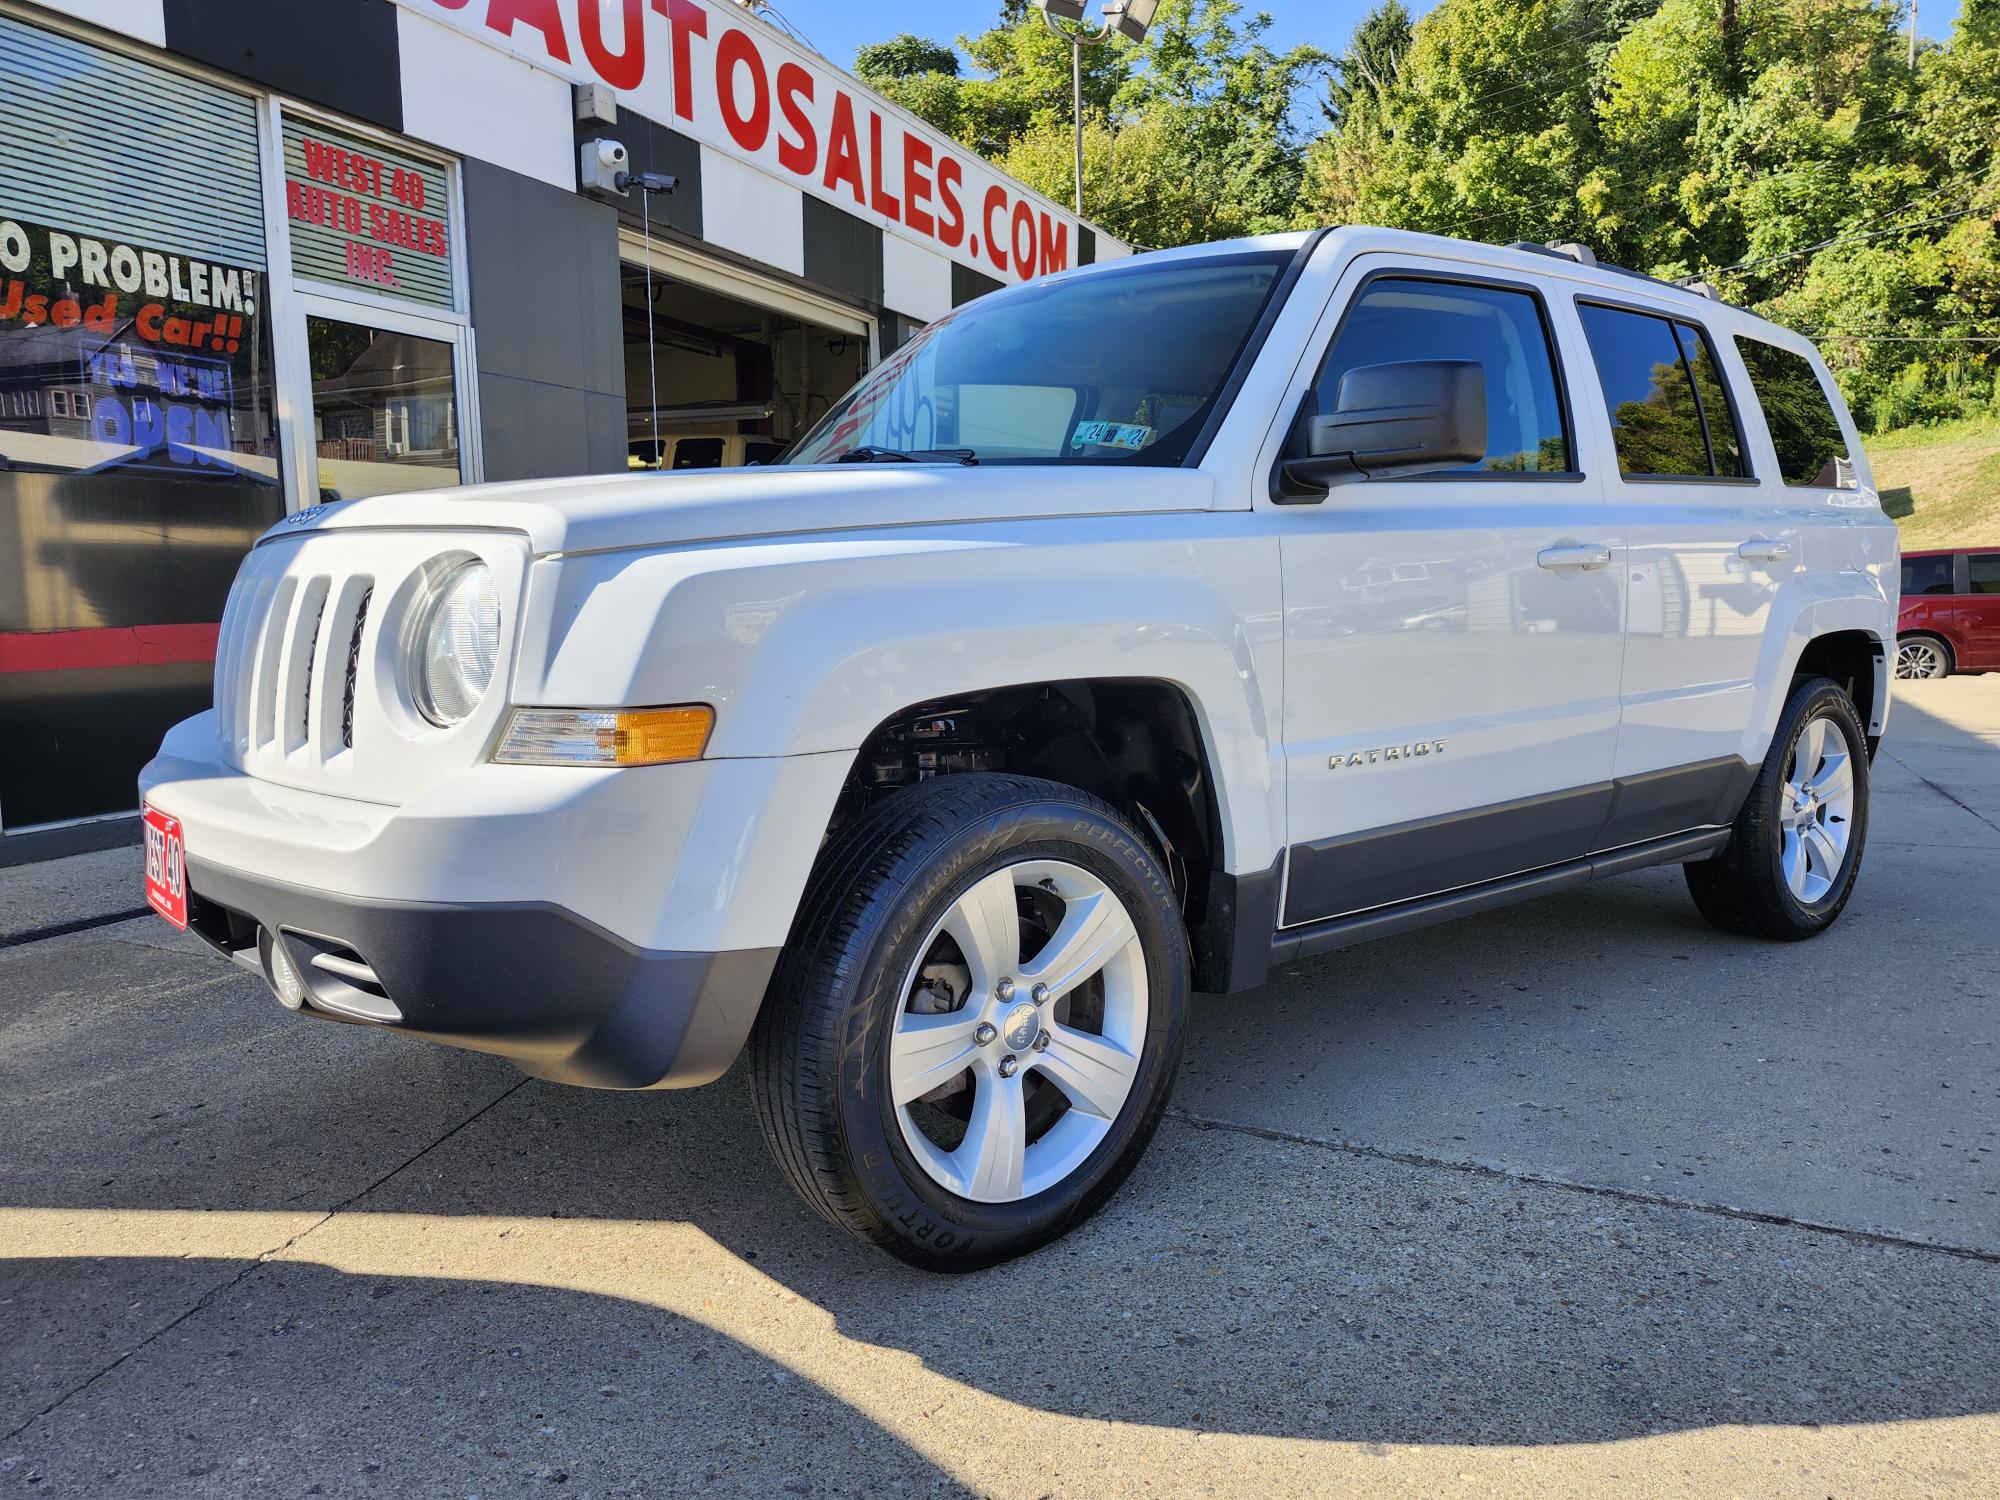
x=1596, y=1190
x=1948, y=795
x=208, y=1298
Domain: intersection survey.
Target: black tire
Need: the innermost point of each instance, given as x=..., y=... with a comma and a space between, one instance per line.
x=1937, y=644
x=1742, y=888
x=819, y=1054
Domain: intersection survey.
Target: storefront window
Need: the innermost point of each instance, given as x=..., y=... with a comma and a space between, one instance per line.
x=385, y=410
x=139, y=452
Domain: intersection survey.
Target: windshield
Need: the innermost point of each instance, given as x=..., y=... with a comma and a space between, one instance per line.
x=1119, y=367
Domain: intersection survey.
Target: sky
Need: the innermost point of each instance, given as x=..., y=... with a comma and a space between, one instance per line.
x=837, y=27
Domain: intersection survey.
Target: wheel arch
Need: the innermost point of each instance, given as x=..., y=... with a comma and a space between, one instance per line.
x=1141, y=744
x=1840, y=625
x=1861, y=662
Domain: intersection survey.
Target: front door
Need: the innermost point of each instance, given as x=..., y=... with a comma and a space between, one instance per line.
x=1452, y=640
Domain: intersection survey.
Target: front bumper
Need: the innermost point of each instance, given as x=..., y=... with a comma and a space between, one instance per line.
x=560, y=998
x=612, y=928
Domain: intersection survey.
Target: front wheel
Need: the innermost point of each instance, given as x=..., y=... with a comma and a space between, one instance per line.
x=974, y=1030
x=1791, y=860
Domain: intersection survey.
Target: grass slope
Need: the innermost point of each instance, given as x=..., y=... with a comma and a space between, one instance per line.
x=1942, y=484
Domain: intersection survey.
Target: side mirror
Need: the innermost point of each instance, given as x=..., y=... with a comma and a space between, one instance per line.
x=1405, y=418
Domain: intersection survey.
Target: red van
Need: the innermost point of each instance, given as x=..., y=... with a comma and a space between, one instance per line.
x=1950, y=620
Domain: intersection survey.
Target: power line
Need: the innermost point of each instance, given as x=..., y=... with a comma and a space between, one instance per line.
x=1909, y=338
x=1848, y=239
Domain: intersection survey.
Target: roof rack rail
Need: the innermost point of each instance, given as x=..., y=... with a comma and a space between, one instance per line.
x=1583, y=255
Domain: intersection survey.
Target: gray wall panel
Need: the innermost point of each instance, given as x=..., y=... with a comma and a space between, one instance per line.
x=343, y=54
x=543, y=269
x=536, y=431
x=843, y=253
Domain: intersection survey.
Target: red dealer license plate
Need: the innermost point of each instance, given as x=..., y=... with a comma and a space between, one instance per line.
x=166, y=867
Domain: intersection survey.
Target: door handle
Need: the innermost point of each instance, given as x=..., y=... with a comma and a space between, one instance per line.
x=1580, y=555
x=1764, y=549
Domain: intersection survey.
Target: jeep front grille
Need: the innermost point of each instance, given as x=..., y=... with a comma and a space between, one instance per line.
x=281, y=638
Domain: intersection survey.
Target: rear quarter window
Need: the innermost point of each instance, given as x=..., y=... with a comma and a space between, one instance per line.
x=1811, y=451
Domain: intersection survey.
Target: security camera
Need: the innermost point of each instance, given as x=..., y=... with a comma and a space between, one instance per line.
x=602, y=166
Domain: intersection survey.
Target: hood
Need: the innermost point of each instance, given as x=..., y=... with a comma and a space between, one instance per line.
x=610, y=513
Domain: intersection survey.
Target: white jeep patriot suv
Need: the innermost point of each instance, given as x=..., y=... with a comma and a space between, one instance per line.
x=1123, y=634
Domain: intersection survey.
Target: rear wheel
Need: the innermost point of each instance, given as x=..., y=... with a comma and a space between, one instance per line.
x=1919, y=656
x=1792, y=858
x=974, y=1032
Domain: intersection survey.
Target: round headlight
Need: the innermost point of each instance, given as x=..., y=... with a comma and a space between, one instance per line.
x=458, y=642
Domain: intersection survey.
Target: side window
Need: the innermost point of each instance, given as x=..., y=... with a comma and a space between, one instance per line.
x=1985, y=570
x=1656, y=405
x=1927, y=575
x=1404, y=318
x=1804, y=430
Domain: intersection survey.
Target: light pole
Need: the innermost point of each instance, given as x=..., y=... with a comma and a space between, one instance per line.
x=1126, y=17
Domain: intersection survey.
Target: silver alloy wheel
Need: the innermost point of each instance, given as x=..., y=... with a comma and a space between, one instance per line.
x=1817, y=818
x=1919, y=657
x=1010, y=1045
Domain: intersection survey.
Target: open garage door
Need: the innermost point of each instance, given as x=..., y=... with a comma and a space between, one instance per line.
x=722, y=367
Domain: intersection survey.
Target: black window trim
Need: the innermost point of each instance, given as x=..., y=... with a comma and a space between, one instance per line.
x=1639, y=309
x=1743, y=458
x=1833, y=409
x=1457, y=476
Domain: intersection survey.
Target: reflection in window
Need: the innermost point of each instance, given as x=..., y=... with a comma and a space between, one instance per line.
x=1725, y=442
x=385, y=410
x=1984, y=570
x=138, y=463
x=1655, y=416
x=1405, y=319
x=1804, y=430
x=1121, y=367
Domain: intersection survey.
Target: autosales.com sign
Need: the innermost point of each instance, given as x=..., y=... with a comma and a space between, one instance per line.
x=703, y=68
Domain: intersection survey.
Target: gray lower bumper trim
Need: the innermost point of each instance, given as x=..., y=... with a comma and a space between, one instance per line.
x=555, y=994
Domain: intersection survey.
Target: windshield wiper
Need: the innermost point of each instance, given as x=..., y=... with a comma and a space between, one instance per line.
x=870, y=453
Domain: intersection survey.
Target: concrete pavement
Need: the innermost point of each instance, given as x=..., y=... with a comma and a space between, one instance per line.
x=1574, y=1197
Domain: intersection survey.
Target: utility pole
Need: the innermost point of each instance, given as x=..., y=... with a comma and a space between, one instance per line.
x=1913, y=36
x=1078, y=40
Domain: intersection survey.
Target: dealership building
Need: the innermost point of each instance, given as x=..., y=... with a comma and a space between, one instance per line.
x=260, y=254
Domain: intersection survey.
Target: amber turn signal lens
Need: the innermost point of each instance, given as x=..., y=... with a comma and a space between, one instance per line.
x=650, y=736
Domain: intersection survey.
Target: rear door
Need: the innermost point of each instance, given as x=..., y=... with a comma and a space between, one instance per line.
x=1979, y=612
x=1710, y=545
x=1452, y=640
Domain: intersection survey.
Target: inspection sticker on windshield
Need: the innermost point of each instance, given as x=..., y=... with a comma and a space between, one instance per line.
x=1111, y=435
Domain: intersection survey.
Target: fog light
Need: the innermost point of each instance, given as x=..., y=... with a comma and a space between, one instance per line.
x=285, y=976
x=605, y=737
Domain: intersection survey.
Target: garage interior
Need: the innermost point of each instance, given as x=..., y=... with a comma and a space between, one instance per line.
x=735, y=382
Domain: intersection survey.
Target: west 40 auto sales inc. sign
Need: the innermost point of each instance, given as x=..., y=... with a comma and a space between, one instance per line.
x=703, y=69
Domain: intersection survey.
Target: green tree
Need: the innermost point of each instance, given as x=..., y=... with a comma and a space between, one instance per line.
x=1373, y=59
x=1188, y=135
